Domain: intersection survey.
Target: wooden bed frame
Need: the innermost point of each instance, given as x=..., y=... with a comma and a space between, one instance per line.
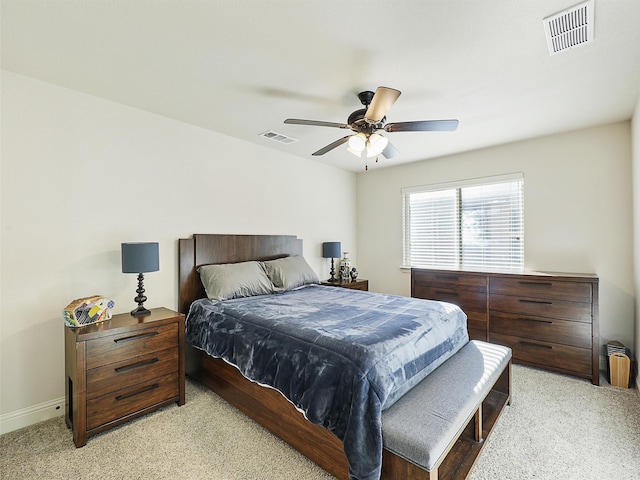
x=270, y=408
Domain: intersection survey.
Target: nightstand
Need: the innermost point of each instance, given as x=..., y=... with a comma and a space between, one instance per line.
x=122, y=368
x=355, y=285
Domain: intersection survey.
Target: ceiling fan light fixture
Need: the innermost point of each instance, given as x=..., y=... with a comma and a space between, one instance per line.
x=353, y=152
x=377, y=143
x=358, y=142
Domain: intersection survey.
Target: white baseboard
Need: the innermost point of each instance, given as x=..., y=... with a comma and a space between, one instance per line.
x=31, y=415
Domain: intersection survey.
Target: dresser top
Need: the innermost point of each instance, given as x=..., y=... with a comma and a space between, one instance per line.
x=590, y=277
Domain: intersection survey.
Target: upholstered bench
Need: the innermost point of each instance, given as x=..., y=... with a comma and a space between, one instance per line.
x=442, y=422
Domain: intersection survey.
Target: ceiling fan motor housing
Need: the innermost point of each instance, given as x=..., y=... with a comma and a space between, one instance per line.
x=366, y=97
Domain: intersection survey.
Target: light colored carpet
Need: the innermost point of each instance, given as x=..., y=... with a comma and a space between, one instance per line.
x=557, y=427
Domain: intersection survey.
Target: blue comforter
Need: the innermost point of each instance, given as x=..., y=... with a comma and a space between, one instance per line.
x=341, y=356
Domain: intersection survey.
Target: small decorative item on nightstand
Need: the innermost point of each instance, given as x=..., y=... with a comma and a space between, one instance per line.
x=345, y=267
x=86, y=310
x=354, y=274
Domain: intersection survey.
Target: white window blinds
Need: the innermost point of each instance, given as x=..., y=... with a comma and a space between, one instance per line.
x=475, y=225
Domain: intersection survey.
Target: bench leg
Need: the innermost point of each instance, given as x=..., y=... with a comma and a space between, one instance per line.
x=478, y=423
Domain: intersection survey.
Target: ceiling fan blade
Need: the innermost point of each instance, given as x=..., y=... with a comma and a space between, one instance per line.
x=315, y=123
x=382, y=101
x=331, y=146
x=423, y=126
x=390, y=151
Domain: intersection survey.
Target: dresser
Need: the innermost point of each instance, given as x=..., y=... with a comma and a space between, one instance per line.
x=550, y=320
x=122, y=368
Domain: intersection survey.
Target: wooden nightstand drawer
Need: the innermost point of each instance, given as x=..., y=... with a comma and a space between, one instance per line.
x=132, y=371
x=103, y=351
x=353, y=285
x=123, y=402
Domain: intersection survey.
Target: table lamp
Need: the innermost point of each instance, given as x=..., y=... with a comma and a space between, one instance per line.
x=140, y=258
x=332, y=250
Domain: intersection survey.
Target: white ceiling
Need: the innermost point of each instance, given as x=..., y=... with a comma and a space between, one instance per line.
x=240, y=67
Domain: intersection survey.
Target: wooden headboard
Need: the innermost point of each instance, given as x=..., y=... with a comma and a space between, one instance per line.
x=205, y=249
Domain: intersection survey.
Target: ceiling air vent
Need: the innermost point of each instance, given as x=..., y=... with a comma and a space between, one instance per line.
x=278, y=137
x=569, y=28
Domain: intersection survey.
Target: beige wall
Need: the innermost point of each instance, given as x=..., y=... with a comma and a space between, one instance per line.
x=578, y=212
x=80, y=175
x=635, y=124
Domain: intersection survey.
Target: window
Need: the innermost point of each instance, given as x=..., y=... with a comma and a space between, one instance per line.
x=474, y=225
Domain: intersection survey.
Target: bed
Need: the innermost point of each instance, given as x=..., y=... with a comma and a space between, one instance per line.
x=268, y=406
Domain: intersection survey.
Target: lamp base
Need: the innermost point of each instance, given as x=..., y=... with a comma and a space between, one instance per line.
x=140, y=299
x=333, y=278
x=140, y=311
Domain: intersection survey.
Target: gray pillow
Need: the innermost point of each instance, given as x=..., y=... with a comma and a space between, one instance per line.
x=234, y=280
x=290, y=272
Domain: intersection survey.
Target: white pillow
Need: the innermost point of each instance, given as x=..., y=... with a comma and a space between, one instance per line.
x=290, y=272
x=234, y=280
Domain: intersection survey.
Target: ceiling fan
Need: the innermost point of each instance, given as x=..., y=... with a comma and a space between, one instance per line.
x=370, y=120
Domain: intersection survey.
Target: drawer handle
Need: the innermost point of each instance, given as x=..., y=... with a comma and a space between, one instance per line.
x=444, y=292
x=547, y=322
x=449, y=278
x=146, y=389
x=136, y=365
x=135, y=337
x=537, y=345
x=536, y=301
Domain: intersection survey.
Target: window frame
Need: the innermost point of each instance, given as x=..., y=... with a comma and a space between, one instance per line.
x=458, y=186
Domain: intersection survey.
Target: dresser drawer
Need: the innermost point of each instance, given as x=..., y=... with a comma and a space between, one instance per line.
x=473, y=303
x=114, y=348
x=430, y=278
x=470, y=299
x=123, y=402
x=577, y=334
x=476, y=320
x=541, y=287
x=131, y=371
x=546, y=354
x=578, y=311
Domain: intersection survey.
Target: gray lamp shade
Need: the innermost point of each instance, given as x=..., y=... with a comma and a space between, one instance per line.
x=331, y=250
x=140, y=257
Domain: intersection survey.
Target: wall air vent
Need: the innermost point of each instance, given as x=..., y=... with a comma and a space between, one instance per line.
x=569, y=28
x=278, y=137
